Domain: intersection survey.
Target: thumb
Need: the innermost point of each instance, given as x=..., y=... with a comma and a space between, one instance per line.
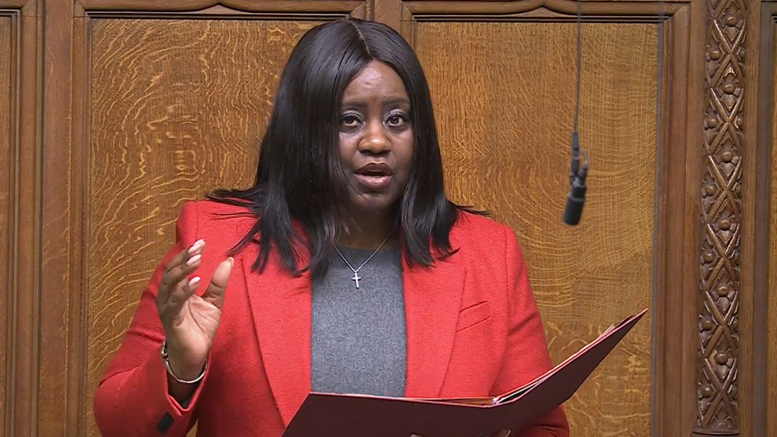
x=218, y=284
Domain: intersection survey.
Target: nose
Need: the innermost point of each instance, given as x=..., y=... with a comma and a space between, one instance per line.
x=375, y=141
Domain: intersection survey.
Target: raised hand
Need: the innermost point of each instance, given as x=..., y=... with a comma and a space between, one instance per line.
x=190, y=321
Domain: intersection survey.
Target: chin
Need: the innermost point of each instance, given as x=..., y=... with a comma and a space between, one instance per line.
x=373, y=203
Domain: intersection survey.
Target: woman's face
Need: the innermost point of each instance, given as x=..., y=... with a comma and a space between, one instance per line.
x=376, y=138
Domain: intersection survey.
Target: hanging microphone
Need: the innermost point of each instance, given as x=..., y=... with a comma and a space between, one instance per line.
x=576, y=196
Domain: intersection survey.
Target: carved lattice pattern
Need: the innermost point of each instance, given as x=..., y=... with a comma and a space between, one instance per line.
x=721, y=194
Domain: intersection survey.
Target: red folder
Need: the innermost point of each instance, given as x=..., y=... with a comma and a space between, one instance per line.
x=324, y=414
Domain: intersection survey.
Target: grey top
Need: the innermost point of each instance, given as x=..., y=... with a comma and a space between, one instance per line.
x=358, y=340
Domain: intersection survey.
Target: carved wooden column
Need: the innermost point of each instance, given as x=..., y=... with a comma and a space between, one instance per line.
x=721, y=195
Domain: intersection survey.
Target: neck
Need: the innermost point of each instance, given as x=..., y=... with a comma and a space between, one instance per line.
x=366, y=232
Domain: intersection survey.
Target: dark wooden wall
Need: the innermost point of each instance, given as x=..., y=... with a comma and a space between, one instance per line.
x=114, y=112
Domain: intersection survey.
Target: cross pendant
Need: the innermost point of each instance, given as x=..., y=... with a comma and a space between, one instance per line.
x=356, y=278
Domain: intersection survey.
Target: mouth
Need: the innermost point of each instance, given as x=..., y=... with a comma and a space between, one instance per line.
x=375, y=169
x=374, y=176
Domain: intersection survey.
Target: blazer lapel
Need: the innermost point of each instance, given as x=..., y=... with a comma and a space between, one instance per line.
x=281, y=306
x=432, y=303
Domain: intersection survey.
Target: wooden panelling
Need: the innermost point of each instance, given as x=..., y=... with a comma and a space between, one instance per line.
x=288, y=8
x=559, y=9
x=721, y=216
x=58, y=399
x=7, y=154
x=60, y=334
x=505, y=131
x=771, y=400
x=771, y=395
x=754, y=245
x=177, y=108
x=19, y=212
x=117, y=111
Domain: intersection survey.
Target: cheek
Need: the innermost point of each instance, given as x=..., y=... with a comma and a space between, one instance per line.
x=348, y=146
x=404, y=152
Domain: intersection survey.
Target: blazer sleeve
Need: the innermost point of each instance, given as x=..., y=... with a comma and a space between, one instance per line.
x=526, y=356
x=132, y=398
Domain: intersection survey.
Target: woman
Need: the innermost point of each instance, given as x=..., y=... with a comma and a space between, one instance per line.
x=344, y=269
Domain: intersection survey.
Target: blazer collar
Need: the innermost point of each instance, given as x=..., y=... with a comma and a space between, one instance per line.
x=281, y=309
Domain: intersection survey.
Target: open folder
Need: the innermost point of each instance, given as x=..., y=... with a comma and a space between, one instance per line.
x=324, y=414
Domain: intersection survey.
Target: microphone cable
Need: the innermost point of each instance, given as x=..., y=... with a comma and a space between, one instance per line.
x=577, y=175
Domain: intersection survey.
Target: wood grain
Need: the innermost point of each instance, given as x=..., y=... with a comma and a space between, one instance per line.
x=388, y=12
x=59, y=318
x=504, y=97
x=177, y=109
x=754, y=244
x=6, y=210
x=771, y=395
x=21, y=67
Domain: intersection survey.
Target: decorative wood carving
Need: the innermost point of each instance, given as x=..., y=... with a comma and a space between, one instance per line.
x=721, y=195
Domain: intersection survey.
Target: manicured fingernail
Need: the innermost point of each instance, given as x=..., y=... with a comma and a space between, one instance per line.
x=193, y=281
x=196, y=245
x=231, y=261
x=193, y=259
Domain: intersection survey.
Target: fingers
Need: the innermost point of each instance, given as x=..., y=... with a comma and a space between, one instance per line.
x=177, y=270
x=181, y=293
x=218, y=283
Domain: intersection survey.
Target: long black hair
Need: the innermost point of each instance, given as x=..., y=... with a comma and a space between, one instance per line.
x=300, y=179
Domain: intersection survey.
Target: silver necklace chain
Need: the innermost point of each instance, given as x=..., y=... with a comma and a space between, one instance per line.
x=356, y=278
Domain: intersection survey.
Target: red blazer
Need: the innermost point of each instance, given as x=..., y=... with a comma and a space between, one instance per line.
x=473, y=329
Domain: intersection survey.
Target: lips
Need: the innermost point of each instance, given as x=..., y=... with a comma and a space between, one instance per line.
x=375, y=169
x=374, y=176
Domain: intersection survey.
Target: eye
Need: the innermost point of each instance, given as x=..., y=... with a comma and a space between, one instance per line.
x=350, y=120
x=396, y=120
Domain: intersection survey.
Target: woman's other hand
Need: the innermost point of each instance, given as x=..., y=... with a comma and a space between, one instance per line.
x=190, y=321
